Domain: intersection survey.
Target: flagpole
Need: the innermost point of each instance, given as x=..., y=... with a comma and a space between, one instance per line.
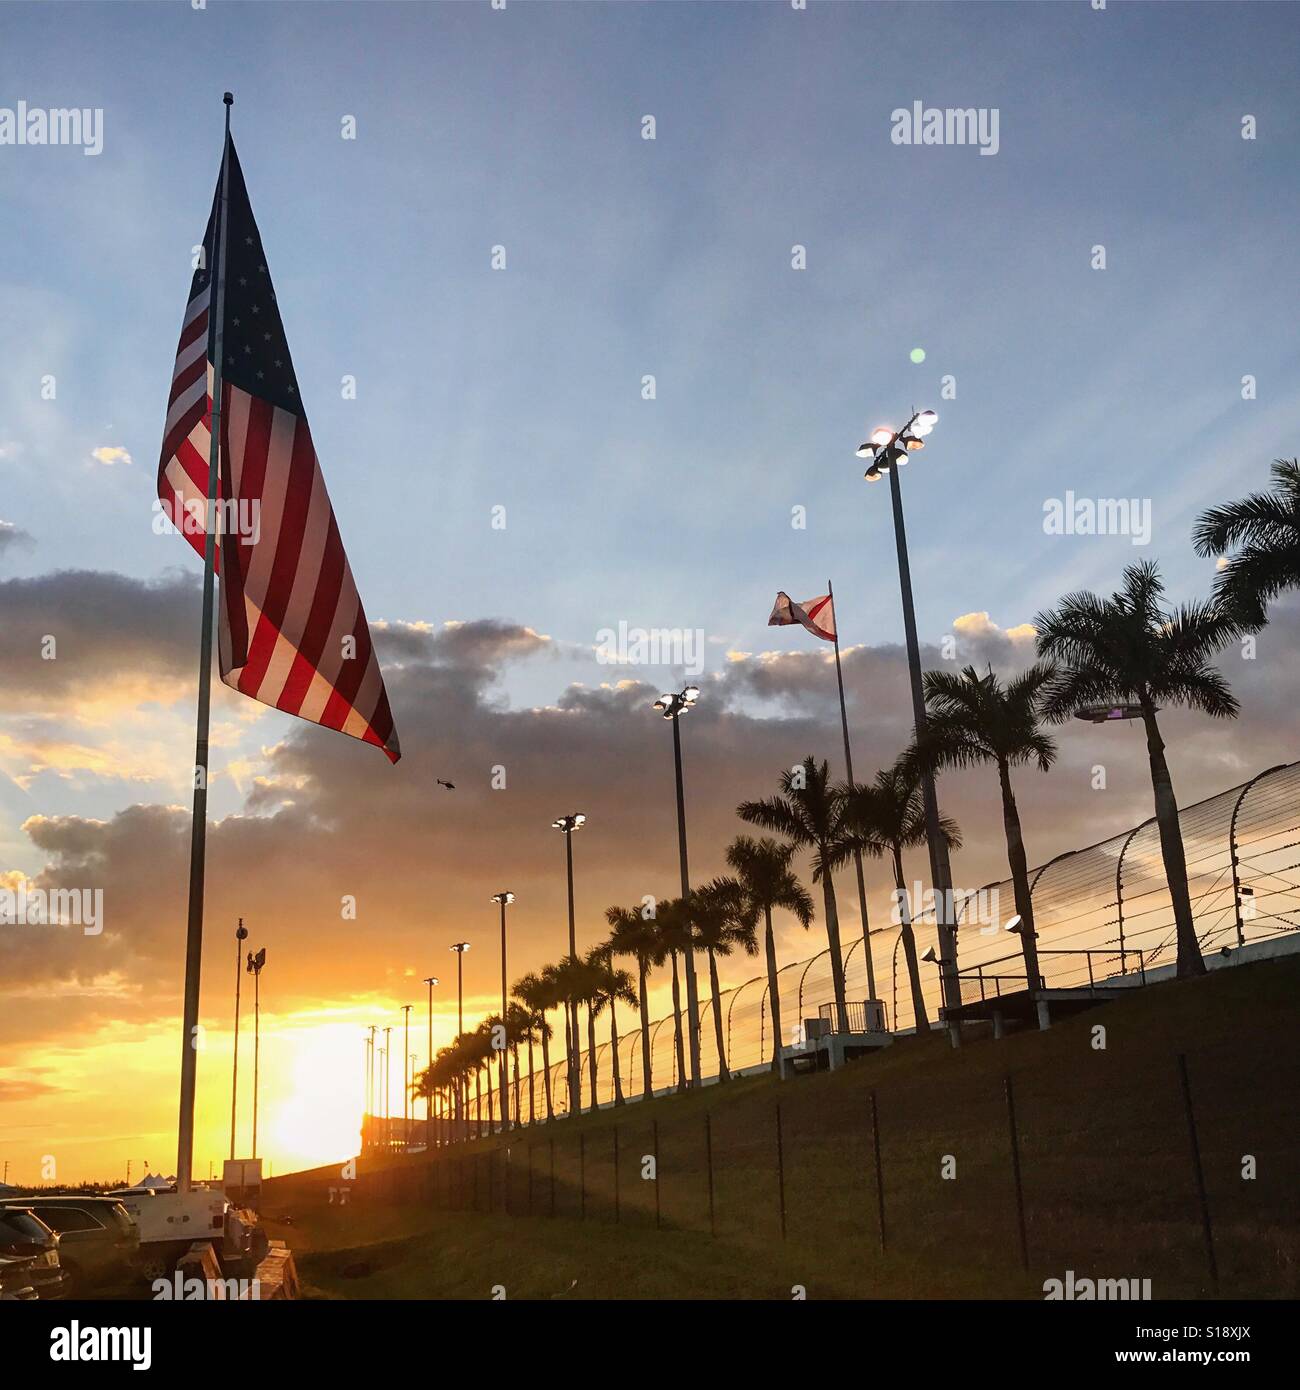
x=848, y=766
x=199, y=823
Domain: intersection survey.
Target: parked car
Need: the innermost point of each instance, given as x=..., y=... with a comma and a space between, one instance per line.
x=16, y=1280
x=23, y=1235
x=99, y=1243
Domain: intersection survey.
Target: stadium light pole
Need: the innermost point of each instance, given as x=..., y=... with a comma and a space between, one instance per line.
x=460, y=947
x=888, y=450
x=504, y=900
x=255, y=964
x=241, y=935
x=567, y=826
x=406, y=1089
x=672, y=707
x=430, y=980
x=388, y=1090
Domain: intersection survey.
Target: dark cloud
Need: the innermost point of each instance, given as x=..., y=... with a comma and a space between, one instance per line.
x=14, y=538
x=331, y=821
x=106, y=629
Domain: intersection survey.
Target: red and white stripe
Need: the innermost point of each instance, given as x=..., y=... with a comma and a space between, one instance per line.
x=293, y=633
x=816, y=614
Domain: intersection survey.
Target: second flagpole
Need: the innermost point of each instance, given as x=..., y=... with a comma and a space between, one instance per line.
x=848, y=767
x=199, y=825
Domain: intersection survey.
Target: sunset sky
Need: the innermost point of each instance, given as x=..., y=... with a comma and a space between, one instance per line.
x=522, y=388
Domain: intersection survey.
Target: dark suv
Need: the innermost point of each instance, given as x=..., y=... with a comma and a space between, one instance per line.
x=99, y=1243
x=23, y=1235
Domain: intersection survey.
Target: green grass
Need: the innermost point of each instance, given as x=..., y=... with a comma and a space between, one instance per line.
x=1108, y=1180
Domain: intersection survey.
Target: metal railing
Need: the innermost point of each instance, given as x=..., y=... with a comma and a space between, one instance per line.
x=1100, y=912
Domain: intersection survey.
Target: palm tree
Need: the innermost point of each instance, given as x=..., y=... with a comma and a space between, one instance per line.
x=519, y=1025
x=635, y=934
x=974, y=720
x=612, y=986
x=810, y=814
x=586, y=990
x=885, y=817
x=768, y=881
x=1264, y=530
x=724, y=918
x=569, y=981
x=673, y=924
x=1130, y=649
x=534, y=993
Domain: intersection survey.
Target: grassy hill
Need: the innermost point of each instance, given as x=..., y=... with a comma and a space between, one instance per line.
x=1108, y=1180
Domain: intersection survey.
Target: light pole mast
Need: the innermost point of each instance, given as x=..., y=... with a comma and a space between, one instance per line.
x=430, y=980
x=460, y=947
x=672, y=707
x=406, y=1090
x=255, y=964
x=567, y=825
x=888, y=450
x=504, y=900
x=241, y=935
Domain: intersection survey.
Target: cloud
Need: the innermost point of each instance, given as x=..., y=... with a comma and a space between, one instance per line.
x=75, y=636
x=14, y=538
x=323, y=821
x=110, y=454
x=981, y=640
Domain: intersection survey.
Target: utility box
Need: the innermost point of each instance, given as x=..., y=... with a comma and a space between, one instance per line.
x=241, y=1181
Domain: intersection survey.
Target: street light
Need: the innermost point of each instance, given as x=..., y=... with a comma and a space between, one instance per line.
x=406, y=1089
x=255, y=964
x=567, y=825
x=460, y=947
x=430, y=980
x=241, y=935
x=673, y=707
x=504, y=899
x=888, y=449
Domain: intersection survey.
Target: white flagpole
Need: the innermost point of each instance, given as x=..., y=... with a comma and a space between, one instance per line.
x=199, y=825
x=848, y=767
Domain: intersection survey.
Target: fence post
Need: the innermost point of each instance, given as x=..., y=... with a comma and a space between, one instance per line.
x=617, y=1214
x=658, y=1208
x=1015, y=1173
x=708, y=1163
x=530, y=1179
x=780, y=1169
x=552, y=1177
x=1198, y=1172
x=582, y=1177
x=880, y=1177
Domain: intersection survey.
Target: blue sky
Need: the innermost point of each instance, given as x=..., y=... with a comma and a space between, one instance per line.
x=626, y=257
x=522, y=388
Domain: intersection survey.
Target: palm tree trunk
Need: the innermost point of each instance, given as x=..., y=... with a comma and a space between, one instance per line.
x=778, y=1040
x=613, y=1050
x=645, y=1031
x=837, y=959
x=591, y=1052
x=677, y=1027
x=532, y=1095
x=546, y=1069
x=921, y=1015
x=1190, y=961
x=515, y=1050
x=573, y=1066
x=723, y=1073
x=1019, y=866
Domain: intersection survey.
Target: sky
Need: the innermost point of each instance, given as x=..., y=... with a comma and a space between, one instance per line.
x=1086, y=305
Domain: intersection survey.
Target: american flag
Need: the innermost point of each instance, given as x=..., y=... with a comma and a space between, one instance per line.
x=292, y=632
x=816, y=614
